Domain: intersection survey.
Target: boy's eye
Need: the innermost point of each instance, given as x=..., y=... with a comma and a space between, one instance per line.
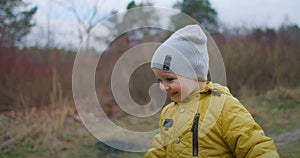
x=169, y=79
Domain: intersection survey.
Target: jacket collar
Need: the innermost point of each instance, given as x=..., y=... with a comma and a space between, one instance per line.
x=210, y=88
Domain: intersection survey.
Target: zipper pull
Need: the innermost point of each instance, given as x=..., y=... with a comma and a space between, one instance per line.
x=195, y=123
x=195, y=134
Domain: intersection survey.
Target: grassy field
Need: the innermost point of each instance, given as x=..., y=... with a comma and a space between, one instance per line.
x=73, y=140
x=278, y=112
x=56, y=132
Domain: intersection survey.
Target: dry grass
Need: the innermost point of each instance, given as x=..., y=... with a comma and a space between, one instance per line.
x=43, y=126
x=279, y=107
x=53, y=131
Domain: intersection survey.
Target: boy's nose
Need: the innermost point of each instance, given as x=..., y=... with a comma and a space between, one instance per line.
x=164, y=87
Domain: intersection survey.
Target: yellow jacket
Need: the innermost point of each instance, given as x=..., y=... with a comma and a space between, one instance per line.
x=210, y=123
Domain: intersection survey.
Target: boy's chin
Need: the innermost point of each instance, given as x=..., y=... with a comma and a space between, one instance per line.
x=176, y=99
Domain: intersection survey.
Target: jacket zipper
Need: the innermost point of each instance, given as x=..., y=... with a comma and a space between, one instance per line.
x=195, y=134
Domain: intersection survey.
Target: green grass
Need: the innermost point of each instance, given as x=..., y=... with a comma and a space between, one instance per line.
x=76, y=142
x=290, y=150
x=21, y=150
x=75, y=146
x=138, y=124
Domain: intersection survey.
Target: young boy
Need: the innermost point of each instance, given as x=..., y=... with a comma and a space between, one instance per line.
x=204, y=119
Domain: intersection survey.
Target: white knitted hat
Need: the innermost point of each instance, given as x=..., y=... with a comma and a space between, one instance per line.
x=184, y=53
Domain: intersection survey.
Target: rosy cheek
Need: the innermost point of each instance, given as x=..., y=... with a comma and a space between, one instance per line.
x=176, y=88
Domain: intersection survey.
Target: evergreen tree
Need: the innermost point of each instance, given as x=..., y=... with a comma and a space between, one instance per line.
x=200, y=10
x=15, y=23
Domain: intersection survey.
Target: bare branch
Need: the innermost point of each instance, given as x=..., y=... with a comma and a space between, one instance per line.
x=85, y=22
x=94, y=13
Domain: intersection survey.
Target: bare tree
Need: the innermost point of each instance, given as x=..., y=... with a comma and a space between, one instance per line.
x=87, y=15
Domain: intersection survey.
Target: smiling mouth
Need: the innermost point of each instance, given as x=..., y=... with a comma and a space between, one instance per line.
x=173, y=94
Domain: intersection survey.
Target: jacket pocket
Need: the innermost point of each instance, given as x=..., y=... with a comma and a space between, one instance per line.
x=195, y=134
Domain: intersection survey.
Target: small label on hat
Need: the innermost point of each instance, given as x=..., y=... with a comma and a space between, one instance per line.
x=167, y=63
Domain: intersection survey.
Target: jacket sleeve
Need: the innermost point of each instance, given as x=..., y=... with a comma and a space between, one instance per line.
x=243, y=135
x=158, y=146
x=157, y=150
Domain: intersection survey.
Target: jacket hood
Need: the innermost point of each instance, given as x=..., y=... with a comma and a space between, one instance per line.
x=215, y=88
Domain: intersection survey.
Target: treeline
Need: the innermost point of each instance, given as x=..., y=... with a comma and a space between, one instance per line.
x=256, y=60
x=34, y=77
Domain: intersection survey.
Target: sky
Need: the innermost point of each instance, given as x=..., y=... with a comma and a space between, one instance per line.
x=232, y=13
x=263, y=13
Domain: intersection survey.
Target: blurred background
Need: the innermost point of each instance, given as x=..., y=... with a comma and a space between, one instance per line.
x=259, y=43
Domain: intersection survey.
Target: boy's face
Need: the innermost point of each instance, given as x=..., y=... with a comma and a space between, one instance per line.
x=177, y=87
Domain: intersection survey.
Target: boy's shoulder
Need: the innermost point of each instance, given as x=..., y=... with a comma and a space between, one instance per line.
x=168, y=107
